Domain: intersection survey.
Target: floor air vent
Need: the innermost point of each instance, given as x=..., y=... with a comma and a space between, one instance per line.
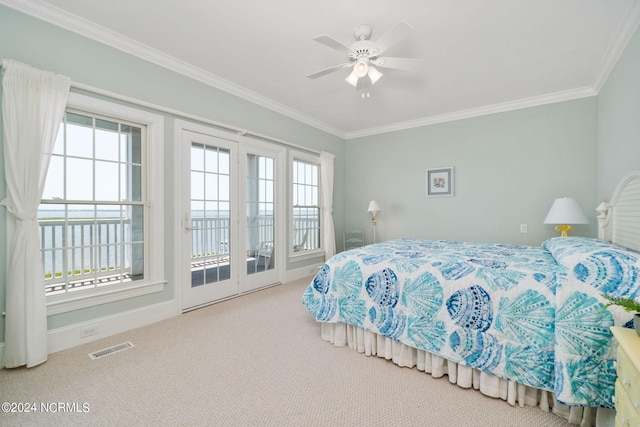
x=113, y=349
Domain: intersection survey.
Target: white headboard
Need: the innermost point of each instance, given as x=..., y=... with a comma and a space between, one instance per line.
x=619, y=220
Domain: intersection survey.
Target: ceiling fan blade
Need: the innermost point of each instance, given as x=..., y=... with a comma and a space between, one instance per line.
x=407, y=64
x=329, y=70
x=395, y=34
x=332, y=43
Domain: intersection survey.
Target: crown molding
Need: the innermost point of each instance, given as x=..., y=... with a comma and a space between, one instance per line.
x=625, y=32
x=85, y=28
x=477, y=112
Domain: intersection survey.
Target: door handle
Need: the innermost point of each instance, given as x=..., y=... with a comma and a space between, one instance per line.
x=186, y=224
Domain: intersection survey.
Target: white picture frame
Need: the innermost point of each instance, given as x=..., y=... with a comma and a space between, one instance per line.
x=440, y=182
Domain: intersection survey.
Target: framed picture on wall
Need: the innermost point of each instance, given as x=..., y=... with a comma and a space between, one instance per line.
x=440, y=182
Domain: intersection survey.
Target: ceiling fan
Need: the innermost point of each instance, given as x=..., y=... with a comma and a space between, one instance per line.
x=364, y=56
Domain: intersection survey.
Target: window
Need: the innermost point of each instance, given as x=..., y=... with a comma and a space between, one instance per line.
x=95, y=213
x=306, y=204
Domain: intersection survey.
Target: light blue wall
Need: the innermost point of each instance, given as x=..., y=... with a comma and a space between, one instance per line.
x=45, y=46
x=619, y=121
x=509, y=167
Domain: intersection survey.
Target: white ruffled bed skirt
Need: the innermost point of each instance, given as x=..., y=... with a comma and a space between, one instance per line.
x=402, y=355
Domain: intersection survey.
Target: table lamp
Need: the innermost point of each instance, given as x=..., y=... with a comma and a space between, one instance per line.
x=565, y=211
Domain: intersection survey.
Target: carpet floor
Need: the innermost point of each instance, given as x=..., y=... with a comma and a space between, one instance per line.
x=256, y=360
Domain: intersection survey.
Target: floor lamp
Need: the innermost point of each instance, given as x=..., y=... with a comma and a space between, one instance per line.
x=374, y=208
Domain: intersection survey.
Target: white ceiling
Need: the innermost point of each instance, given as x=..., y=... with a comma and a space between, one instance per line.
x=479, y=56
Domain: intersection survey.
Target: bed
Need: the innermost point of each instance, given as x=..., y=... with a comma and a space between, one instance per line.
x=525, y=324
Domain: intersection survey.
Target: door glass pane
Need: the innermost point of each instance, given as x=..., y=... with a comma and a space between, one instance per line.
x=211, y=228
x=260, y=214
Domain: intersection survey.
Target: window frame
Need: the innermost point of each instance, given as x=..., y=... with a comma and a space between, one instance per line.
x=319, y=251
x=153, y=193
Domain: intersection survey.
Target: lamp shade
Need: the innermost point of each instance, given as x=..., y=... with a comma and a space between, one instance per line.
x=565, y=211
x=353, y=78
x=374, y=75
x=373, y=207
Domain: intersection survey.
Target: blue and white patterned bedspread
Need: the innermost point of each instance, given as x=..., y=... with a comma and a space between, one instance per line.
x=489, y=306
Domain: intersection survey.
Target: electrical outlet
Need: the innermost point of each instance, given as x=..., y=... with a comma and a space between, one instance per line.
x=88, y=331
x=523, y=228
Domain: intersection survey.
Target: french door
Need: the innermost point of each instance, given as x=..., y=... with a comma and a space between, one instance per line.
x=232, y=215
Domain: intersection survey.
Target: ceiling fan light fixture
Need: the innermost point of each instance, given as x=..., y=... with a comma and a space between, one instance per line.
x=361, y=68
x=374, y=74
x=353, y=78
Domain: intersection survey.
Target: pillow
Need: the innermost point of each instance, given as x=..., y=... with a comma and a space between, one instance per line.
x=561, y=246
x=611, y=269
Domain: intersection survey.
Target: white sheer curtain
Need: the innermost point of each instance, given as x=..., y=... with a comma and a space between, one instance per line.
x=328, y=232
x=33, y=103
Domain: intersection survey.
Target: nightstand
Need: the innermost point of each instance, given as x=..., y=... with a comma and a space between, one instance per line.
x=627, y=394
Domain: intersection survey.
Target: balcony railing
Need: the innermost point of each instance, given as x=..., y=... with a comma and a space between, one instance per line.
x=91, y=250
x=95, y=250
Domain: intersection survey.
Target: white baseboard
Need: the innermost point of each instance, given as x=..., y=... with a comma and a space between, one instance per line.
x=299, y=273
x=73, y=335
